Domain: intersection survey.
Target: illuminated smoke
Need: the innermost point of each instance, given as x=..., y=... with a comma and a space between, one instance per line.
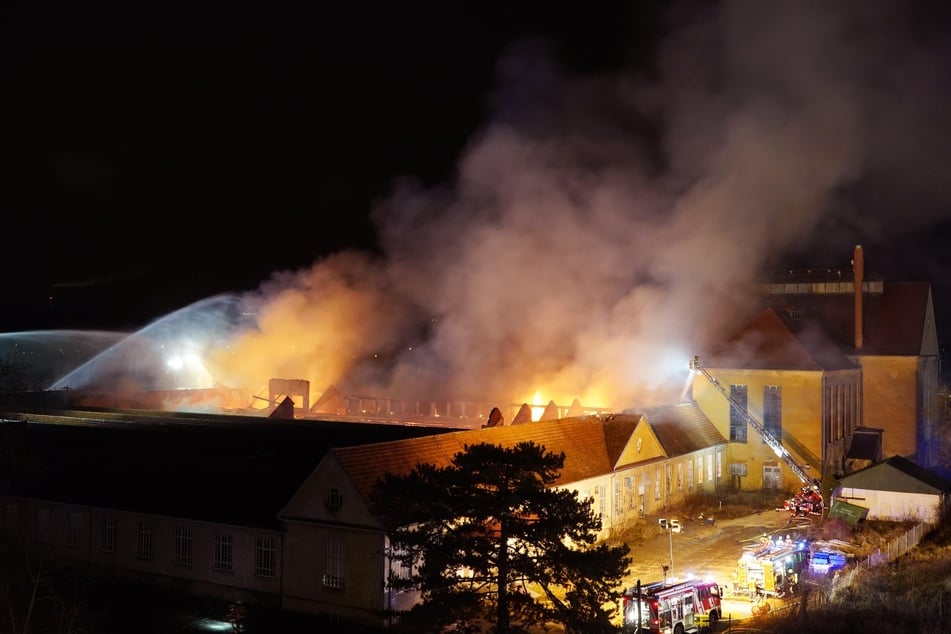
x=601, y=229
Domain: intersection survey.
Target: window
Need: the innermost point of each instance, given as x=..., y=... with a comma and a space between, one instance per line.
x=699, y=470
x=680, y=476
x=400, y=567
x=773, y=411
x=74, y=527
x=108, y=544
x=143, y=540
x=737, y=468
x=43, y=526
x=406, y=570
x=710, y=467
x=601, y=501
x=264, y=556
x=629, y=492
x=183, y=546
x=690, y=474
x=618, y=504
x=772, y=476
x=738, y=413
x=668, y=475
x=656, y=484
x=333, y=564
x=334, y=500
x=223, y=551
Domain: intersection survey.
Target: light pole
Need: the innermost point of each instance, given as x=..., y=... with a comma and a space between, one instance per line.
x=668, y=526
x=670, y=535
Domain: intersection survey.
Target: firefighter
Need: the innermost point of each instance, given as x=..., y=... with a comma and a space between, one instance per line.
x=237, y=613
x=756, y=589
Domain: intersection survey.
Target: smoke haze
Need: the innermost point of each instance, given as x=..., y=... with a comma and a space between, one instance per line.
x=602, y=228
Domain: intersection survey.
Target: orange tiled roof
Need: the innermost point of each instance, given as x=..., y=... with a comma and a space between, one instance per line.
x=591, y=445
x=682, y=428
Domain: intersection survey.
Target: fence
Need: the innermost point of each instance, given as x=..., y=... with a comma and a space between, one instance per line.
x=898, y=546
x=821, y=591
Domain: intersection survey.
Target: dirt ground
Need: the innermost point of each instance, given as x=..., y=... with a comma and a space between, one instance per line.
x=702, y=550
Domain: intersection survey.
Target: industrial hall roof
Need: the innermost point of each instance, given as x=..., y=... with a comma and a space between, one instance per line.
x=592, y=446
x=238, y=470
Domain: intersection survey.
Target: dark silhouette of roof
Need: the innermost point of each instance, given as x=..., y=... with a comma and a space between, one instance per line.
x=774, y=341
x=893, y=321
x=230, y=469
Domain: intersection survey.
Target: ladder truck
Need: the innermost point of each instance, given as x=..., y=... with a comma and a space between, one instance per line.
x=811, y=487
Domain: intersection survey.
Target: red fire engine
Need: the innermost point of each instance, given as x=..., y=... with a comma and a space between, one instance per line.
x=807, y=502
x=669, y=608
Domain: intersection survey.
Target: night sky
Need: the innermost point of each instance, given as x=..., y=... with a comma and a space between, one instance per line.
x=578, y=186
x=153, y=158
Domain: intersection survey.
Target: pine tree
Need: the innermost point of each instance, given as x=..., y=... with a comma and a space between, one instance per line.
x=489, y=539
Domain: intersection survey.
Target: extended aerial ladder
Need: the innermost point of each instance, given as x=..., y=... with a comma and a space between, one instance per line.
x=697, y=365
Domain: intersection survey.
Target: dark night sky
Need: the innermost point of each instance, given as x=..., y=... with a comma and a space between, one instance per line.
x=152, y=158
x=157, y=156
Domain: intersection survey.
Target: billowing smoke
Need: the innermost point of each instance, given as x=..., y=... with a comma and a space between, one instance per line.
x=601, y=229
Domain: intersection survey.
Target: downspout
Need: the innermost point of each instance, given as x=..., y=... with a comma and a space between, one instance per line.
x=280, y=583
x=858, y=267
x=89, y=567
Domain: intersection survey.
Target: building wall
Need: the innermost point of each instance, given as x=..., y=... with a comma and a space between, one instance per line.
x=353, y=588
x=84, y=548
x=327, y=518
x=894, y=506
x=331, y=557
x=841, y=414
x=649, y=489
x=891, y=401
x=802, y=408
x=929, y=380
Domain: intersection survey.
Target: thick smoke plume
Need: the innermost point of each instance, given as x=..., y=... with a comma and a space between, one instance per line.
x=577, y=255
x=601, y=229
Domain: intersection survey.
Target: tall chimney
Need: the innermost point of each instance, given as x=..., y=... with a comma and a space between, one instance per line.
x=858, y=267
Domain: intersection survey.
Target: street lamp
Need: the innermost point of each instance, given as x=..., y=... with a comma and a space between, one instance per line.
x=668, y=525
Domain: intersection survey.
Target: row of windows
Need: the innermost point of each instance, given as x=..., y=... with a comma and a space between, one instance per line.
x=265, y=551
x=772, y=412
x=626, y=499
x=265, y=547
x=840, y=411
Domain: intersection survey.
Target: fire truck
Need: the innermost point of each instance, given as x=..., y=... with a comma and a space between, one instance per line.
x=671, y=607
x=771, y=569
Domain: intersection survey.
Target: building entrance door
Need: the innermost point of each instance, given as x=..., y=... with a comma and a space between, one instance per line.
x=772, y=476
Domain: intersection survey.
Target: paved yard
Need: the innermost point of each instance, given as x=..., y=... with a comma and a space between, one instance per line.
x=709, y=551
